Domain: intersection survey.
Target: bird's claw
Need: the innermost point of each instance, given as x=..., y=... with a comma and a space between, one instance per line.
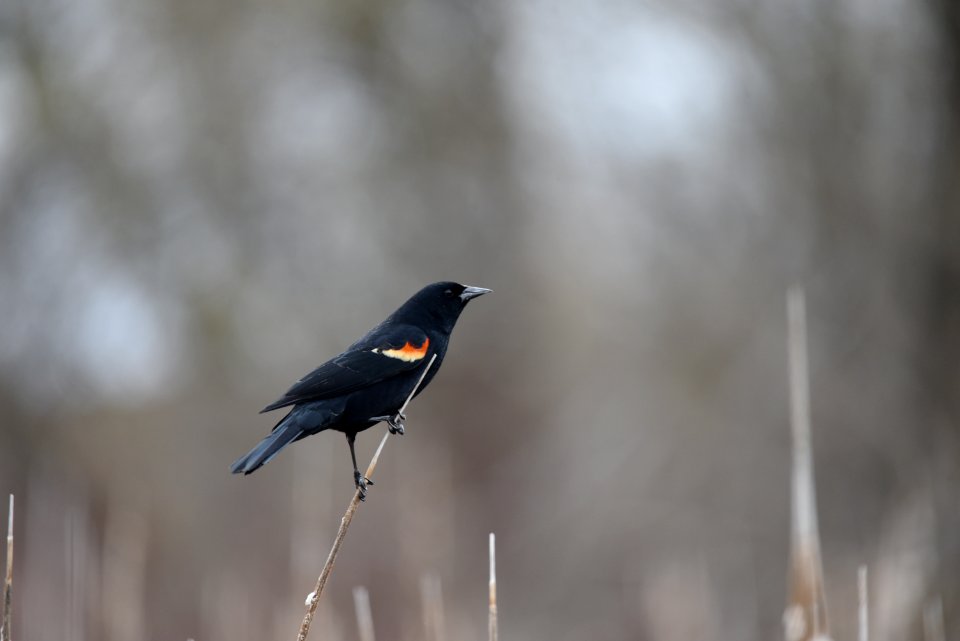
x=361, y=482
x=394, y=423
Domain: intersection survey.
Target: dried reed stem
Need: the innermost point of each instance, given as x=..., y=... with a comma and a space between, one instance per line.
x=492, y=623
x=5, y=634
x=314, y=597
x=933, y=628
x=361, y=603
x=863, y=610
x=431, y=594
x=806, y=614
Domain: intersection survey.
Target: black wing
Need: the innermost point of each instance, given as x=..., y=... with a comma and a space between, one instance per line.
x=388, y=353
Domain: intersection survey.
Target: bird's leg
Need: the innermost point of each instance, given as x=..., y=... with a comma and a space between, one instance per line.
x=394, y=423
x=358, y=479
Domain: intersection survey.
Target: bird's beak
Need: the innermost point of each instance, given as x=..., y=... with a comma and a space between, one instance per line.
x=473, y=292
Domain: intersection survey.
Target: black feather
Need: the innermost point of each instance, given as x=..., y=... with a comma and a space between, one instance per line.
x=372, y=378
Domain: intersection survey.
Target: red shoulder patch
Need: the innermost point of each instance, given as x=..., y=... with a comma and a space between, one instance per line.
x=408, y=352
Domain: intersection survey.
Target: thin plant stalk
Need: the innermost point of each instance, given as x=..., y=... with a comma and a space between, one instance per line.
x=5, y=633
x=806, y=614
x=492, y=622
x=361, y=602
x=431, y=594
x=863, y=611
x=933, y=627
x=314, y=597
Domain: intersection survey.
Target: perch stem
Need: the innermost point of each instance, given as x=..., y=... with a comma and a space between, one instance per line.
x=314, y=599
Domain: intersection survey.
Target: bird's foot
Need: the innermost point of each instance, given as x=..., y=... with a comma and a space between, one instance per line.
x=394, y=423
x=361, y=482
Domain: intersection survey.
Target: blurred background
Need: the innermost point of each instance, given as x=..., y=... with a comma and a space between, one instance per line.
x=201, y=201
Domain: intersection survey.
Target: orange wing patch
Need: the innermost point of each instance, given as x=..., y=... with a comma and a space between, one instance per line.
x=408, y=352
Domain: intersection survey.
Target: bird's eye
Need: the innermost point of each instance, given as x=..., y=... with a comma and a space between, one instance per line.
x=448, y=292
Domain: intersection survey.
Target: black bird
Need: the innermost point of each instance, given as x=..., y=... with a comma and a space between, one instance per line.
x=371, y=379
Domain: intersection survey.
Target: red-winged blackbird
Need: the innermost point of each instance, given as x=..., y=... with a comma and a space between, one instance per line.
x=369, y=381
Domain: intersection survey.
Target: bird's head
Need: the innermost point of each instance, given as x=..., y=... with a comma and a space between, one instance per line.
x=442, y=302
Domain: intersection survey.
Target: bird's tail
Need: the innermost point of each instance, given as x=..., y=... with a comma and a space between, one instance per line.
x=287, y=431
